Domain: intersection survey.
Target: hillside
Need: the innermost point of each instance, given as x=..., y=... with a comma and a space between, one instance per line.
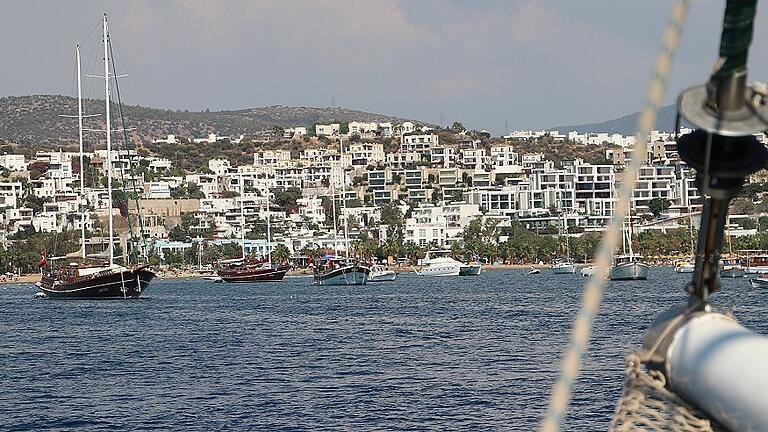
x=35, y=120
x=625, y=125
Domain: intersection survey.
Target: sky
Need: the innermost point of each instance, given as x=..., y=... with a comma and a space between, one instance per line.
x=495, y=65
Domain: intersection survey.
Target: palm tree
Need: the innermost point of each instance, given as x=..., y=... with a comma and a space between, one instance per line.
x=281, y=254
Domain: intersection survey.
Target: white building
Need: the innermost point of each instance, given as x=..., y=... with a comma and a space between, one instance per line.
x=13, y=162
x=332, y=129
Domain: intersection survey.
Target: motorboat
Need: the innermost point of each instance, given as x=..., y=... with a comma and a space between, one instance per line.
x=759, y=282
x=470, y=269
x=440, y=265
x=381, y=273
x=587, y=271
x=684, y=266
x=563, y=267
x=534, y=271
x=731, y=268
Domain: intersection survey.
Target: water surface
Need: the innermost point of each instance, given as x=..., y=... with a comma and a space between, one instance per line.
x=416, y=354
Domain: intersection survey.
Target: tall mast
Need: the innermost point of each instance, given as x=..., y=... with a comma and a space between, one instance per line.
x=81, y=204
x=629, y=239
x=109, y=141
x=242, y=216
x=333, y=207
x=269, y=230
x=344, y=197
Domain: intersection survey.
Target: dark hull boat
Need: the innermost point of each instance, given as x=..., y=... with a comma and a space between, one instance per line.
x=352, y=274
x=249, y=272
x=114, y=282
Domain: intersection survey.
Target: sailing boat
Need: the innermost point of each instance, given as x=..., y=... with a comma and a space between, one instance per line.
x=628, y=266
x=244, y=269
x=336, y=270
x=98, y=279
x=564, y=266
x=687, y=266
x=730, y=266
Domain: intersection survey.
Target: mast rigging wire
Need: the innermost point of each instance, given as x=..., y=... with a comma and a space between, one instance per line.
x=582, y=327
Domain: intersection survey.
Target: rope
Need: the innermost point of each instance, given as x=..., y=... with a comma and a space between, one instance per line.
x=582, y=327
x=649, y=406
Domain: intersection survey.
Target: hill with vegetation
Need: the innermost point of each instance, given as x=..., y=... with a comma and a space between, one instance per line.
x=36, y=120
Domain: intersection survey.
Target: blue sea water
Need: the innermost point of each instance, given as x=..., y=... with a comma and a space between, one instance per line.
x=416, y=354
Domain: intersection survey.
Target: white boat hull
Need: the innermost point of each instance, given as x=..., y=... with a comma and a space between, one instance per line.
x=441, y=270
x=686, y=268
x=758, y=283
x=382, y=276
x=564, y=269
x=629, y=271
x=587, y=271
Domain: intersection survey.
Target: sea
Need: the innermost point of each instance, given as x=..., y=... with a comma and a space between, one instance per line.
x=459, y=354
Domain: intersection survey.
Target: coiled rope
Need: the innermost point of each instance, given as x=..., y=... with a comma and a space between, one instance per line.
x=593, y=292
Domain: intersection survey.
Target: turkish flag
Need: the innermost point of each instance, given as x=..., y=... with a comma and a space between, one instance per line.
x=43, y=259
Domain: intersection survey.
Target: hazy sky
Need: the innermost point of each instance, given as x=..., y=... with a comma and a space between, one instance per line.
x=533, y=64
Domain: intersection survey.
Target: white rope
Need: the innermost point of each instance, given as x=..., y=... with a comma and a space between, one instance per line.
x=593, y=292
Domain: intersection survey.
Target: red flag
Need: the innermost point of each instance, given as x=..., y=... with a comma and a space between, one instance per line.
x=43, y=258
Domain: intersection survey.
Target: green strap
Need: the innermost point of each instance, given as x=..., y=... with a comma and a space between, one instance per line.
x=738, y=24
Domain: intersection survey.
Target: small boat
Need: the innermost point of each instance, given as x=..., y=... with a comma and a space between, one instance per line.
x=40, y=295
x=684, y=266
x=341, y=271
x=381, y=274
x=214, y=279
x=470, y=269
x=534, y=271
x=759, y=282
x=587, y=271
x=731, y=268
x=563, y=267
x=628, y=267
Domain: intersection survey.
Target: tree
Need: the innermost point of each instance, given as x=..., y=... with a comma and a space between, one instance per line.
x=658, y=205
x=286, y=199
x=458, y=127
x=281, y=254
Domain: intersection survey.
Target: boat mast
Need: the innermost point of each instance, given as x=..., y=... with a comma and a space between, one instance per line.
x=344, y=197
x=242, y=216
x=333, y=209
x=269, y=231
x=629, y=240
x=109, y=141
x=81, y=206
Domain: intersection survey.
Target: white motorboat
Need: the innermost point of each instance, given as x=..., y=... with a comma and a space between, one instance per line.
x=440, y=265
x=534, y=271
x=587, y=271
x=381, y=274
x=685, y=266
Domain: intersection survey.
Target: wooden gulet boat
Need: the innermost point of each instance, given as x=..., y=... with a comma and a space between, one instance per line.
x=246, y=270
x=95, y=278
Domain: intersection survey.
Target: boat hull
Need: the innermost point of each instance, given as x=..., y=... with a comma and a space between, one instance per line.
x=441, y=270
x=564, y=269
x=130, y=283
x=684, y=269
x=629, y=271
x=344, y=276
x=275, y=274
x=758, y=283
x=382, y=276
x=470, y=270
x=735, y=272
